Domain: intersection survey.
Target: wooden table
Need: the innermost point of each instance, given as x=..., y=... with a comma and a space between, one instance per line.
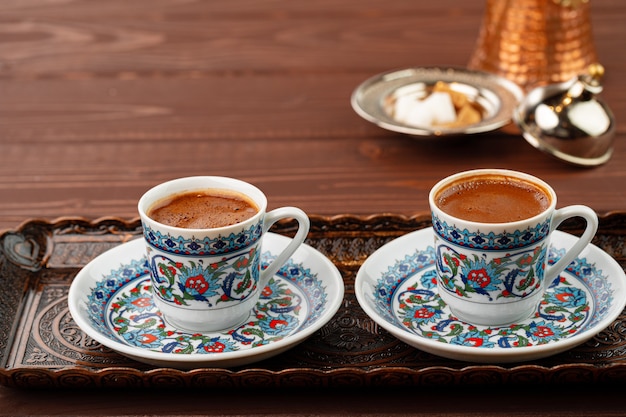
x=100, y=100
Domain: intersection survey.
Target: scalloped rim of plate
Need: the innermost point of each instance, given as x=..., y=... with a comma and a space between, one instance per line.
x=417, y=240
x=367, y=99
x=104, y=263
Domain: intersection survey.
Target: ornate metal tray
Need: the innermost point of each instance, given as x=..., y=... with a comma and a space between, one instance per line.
x=41, y=346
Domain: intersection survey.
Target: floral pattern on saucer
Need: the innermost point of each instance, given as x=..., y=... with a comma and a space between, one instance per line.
x=406, y=295
x=120, y=306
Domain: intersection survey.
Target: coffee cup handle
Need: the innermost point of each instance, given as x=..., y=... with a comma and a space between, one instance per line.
x=561, y=215
x=272, y=217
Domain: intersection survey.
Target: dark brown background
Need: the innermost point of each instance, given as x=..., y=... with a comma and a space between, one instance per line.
x=100, y=100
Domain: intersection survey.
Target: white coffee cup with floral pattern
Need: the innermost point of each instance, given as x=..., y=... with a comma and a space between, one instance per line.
x=491, y=251
x=210, y=279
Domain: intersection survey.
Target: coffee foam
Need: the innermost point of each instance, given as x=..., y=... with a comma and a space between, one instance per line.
x=203, y=209
x=493, y=199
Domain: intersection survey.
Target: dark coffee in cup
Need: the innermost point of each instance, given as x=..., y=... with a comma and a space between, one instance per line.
x=493, y=199
x=203, y=209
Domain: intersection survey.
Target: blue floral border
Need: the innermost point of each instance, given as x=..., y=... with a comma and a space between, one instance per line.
x=107, y=287
x=491, y=241
x=178, y=245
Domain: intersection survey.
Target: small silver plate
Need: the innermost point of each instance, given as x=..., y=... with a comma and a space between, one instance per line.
x=497, y=96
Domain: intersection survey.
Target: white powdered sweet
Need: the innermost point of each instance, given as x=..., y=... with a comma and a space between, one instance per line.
x=435, y=109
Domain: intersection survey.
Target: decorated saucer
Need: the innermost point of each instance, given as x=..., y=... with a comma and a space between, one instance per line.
x=396, y=287
x=497, y=97
x=110, y=300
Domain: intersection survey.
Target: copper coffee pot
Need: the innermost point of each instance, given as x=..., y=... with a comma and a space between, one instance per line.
x=535, y=42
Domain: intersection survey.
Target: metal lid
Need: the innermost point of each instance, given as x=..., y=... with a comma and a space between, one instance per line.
x=568, y=120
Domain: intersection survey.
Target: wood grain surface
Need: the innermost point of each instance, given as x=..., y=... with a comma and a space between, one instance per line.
x=100, y=100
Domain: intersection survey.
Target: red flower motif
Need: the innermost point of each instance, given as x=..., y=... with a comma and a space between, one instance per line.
x=423, y=313
x=141, y=302
x=147, y=338
x=474, y=341
x=480, y=277
x=275, y=323
x=564, y=296
x=543, y=331
x=197, y=283
x=215, y=347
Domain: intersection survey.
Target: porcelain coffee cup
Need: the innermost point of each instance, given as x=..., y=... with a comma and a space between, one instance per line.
x=210, y=279
x=495, y=273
